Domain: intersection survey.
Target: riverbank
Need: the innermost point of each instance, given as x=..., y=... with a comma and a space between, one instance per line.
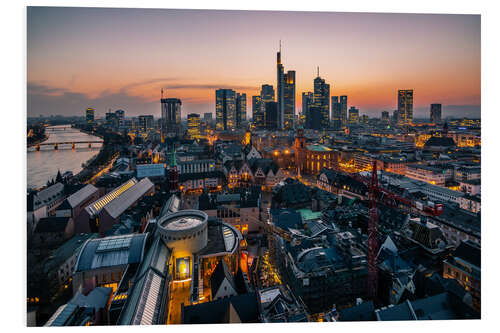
x=43, y=165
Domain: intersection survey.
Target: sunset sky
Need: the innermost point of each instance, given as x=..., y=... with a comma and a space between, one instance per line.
x=121, y=58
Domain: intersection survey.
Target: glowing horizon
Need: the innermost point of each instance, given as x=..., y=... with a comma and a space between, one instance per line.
x=121, y=58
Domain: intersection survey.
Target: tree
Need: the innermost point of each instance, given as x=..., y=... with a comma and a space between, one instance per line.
x=59, y=177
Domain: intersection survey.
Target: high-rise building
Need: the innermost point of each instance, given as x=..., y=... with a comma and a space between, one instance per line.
x=146, y=122
x=120, y=115
x=285, y=84
x=385, y=116
x=241, y=109
x=111, y=119
x=207, y=116
x=170, y=116
x=266, y=95
x=193, y=123
x=353, y=115
x=405, y=106
x=363, y=119
x=336, y=113
x=395, y=116
x=289, y=100
x=89, y=115
x=436, y=113
x=343, y=110
x=322, y=100
x=280, y=85
x=225, y=109
x=307, y=103
x=256, y=107
x=272, y=116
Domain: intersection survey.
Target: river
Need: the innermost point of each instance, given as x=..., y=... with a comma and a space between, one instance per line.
x=43, y=165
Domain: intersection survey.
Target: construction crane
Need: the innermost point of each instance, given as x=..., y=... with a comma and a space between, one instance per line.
x=373, y=235
x=385, y=196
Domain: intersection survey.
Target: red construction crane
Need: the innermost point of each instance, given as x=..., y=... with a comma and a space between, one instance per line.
x=373, y=235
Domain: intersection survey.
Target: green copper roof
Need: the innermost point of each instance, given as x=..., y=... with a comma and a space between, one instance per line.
x=173, y=160
x=308, y=214
x=317, y=147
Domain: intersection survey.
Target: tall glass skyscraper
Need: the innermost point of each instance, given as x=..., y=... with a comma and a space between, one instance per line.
x=343, y=110
x=280, y=83
x=405, y=106
x=336, y=113
x=307, y=104
x=266, y=95
x=256, y=101
x=322, y=100
x=353, y=115
x=241, y=109
x=225, y=109
x=289, y=100
x=170, y=116
x=193, y=121
x=436, y=113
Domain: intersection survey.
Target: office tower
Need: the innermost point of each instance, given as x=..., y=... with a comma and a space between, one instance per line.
x=89, y=115
x=343, y=110
x=170, y=116
x=353, y=115
x=193, y=123
x=120, y=115
x=280, y=83
x=256, y=107
x=322, y=100
x=207, y=116
x=395, y=116
x=336, y=113
x=146, y=122
x=266, y=95
x=289, y=100
x=307, y=103
x=272, y=116
x=436, y=113
x=385, y=116
x=225, y=109
x=241, y=109
x=405, y=106
x=111, y=119
x=363, y=119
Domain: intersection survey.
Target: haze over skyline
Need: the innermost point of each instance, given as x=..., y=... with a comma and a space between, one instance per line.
x=121, y=58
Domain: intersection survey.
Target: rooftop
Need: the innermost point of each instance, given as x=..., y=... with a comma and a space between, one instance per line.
x=111, y=251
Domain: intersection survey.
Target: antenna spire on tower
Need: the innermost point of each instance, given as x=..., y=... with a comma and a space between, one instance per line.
x=318, y=71
x=280, y=45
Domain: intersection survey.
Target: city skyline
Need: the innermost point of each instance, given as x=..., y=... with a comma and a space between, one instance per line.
x=82, y=57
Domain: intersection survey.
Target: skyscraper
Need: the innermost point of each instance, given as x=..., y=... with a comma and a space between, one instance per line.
x=170, y=116
x=307, y=103
x=89, y=115
x=322, y=100
x=207, y=116
x=241, y=109
x=146, y=122
x=385, y=116
x=285, y=90
x=343, y=110
x=266, y=95
x=289, y=100
x=280, y=83
x=436, y=113
x=336, y=113
x=256, y=100
x=405, y=106
x=120, y=115
x=353, y=115
x=193, y=121
x=271, y=116
x=225, y=109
